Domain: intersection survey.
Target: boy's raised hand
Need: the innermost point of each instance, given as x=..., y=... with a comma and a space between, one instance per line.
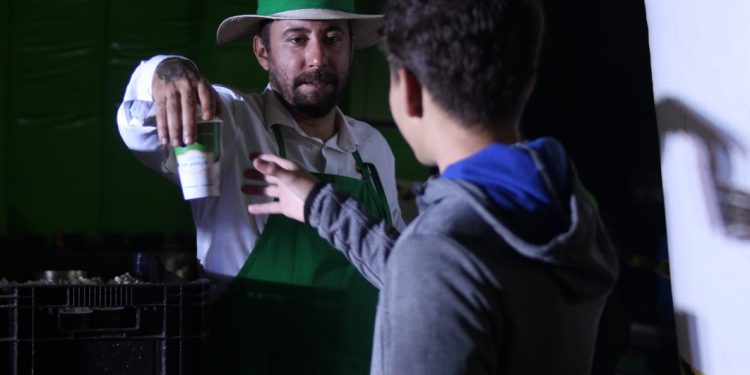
x=286, y=181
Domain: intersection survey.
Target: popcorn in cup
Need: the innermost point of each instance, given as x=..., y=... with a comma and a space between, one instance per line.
x=198, y=163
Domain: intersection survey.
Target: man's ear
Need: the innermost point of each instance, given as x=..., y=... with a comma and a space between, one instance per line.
x=261, y=52
x=413, y=93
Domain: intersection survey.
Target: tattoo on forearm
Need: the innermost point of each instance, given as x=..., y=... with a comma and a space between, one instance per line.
x=171, y=70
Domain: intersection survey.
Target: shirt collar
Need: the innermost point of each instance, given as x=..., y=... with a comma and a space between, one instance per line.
x=275, y=113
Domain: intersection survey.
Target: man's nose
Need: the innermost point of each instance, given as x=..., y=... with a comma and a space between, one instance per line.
x=317, y=54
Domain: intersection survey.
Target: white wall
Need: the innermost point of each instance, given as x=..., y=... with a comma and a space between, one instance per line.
x=700, y=52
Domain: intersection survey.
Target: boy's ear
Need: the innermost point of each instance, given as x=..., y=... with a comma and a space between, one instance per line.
x=413, y=93
x=261, y=53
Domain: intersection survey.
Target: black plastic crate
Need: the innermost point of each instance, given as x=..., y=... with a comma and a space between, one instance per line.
x=159, y=327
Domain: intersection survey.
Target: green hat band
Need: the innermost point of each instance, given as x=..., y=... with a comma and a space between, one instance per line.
x=267, y=7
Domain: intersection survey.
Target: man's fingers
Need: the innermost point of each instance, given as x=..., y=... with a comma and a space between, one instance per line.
x=160, y=100
x=217, y=103
x=264, y=208
x=208, y=100
x=178, y=88
x=174, y=118
x=161, y=121
x=188, y=103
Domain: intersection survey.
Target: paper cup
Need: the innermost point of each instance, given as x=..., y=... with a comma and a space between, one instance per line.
x=198, y=163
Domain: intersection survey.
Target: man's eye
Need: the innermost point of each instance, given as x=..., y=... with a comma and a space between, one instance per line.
x=296, y=40
x=334, y=38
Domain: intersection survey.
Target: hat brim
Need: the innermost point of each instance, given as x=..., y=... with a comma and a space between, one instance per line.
x=366, y=28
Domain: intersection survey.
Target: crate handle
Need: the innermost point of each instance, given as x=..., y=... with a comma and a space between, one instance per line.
x=98, y=319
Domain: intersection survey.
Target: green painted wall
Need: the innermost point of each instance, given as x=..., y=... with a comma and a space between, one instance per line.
x=233, y=64
x=4, y=56
x=369, y=86
x=407, y=166
x=54, y=142
x=136, y=199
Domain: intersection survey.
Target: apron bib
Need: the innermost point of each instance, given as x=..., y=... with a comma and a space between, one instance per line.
x=297, y=305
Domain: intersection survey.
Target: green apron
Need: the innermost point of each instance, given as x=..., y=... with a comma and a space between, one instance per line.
x=297, y=305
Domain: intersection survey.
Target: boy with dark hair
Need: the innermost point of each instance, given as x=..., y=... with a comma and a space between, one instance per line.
x=507, y=268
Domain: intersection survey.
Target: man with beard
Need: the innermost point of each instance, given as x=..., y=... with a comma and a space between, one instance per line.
x=286, y=301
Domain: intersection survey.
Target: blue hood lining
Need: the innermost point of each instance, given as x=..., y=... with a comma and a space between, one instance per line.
x=527, y=181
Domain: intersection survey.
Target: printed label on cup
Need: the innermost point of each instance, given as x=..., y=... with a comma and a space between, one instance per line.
x=198, y=163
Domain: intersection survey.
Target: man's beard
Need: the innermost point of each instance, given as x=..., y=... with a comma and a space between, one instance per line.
x=316, y=104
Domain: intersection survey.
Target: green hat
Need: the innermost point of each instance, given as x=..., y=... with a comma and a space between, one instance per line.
x=365, y=27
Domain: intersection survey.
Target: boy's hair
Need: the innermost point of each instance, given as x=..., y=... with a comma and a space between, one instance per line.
x=477, y=58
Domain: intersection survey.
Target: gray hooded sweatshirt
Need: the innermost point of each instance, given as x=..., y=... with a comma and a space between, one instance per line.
x=460, y=293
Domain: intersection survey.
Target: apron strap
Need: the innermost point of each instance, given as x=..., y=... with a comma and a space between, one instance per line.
x=367, y=170
x=370, y=174
x=279, y=140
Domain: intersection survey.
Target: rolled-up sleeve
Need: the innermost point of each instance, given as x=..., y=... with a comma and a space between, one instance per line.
x=136, y=120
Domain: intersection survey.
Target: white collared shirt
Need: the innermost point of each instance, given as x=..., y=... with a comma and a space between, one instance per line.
x=226, y=232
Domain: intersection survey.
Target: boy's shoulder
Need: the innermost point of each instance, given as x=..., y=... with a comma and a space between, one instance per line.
x=447, y=206
x=449, y=242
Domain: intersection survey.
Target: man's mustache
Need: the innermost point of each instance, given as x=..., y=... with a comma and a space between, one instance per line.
x=316, y=76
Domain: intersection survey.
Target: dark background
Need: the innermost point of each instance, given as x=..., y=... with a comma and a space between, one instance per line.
x=594, y=94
